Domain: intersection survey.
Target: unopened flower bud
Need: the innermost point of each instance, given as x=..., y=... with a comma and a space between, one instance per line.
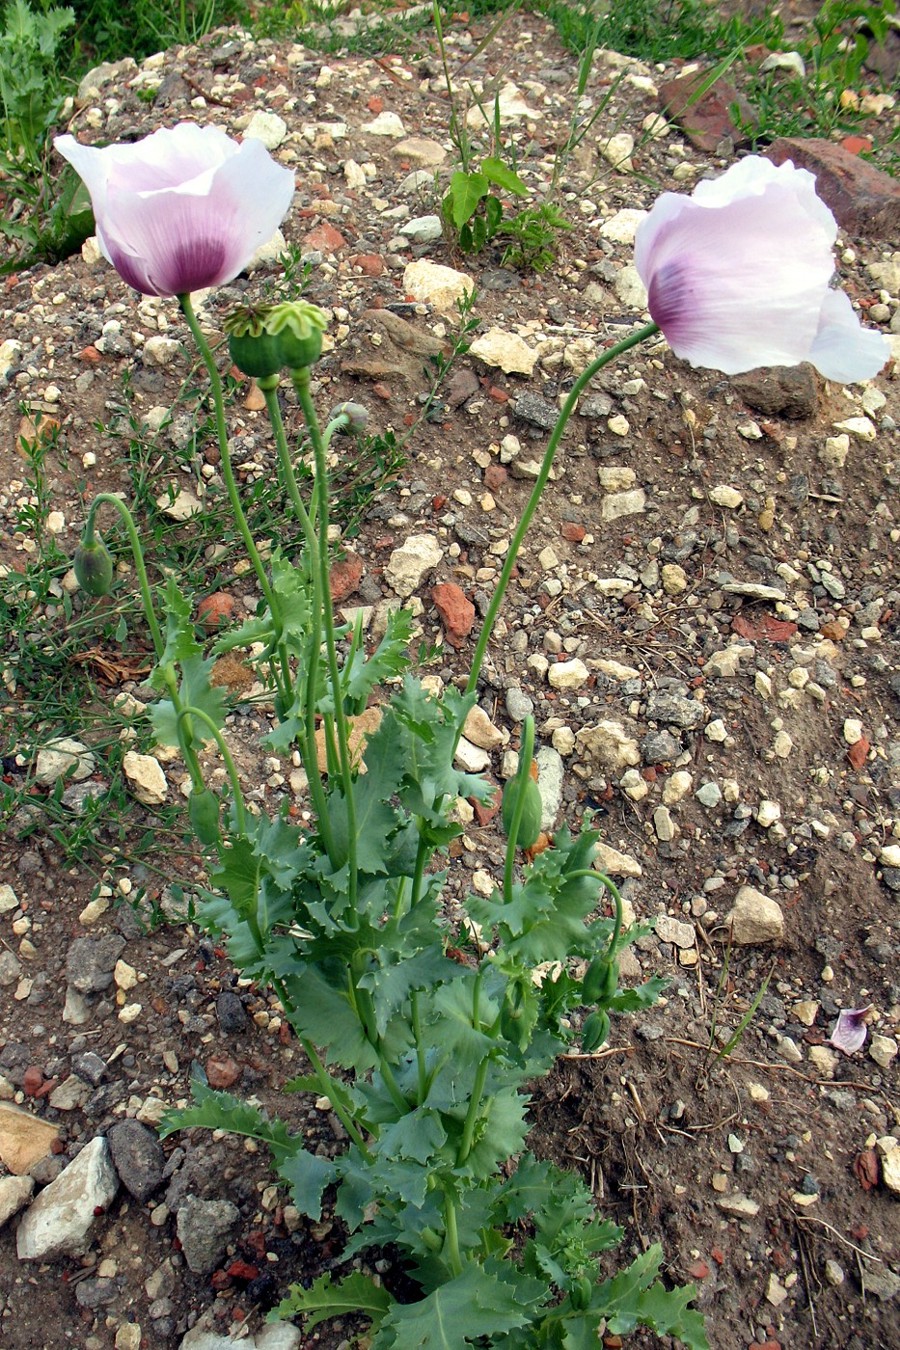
x=94, y=567
x=354, y=418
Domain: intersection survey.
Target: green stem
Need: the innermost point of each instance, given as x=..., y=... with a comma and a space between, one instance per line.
x=237, y=509
x=451, y=1231
x=269, y=386
x=361, y=1001
x=537, y=491
x=421, y=1065
x=139, y=564
x=526, y=754
x=301, y=380
x=230, y=767
x=468, y=1137
x=329, y=1088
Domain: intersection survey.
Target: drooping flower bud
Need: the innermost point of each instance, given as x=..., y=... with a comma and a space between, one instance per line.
x=354, y=418
x=264, y=339
x=94, y=566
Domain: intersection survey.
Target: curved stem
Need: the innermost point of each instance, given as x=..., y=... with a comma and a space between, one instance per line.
x=230, y=765
x=140, y=566
x=537, y=491
x=237, y=509
x=612, y=888
x=301, y=384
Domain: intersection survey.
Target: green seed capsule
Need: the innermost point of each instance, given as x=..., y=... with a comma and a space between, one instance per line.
x=580, y=1292
x=594, y=1032
x=533, y=809
x=203, y=813
x=595, y=979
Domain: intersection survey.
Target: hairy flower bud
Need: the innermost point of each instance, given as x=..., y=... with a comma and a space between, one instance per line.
x=355, y=418
x=94, y=567
x=264, y=339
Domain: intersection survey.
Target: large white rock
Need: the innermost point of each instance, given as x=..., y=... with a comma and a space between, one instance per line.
x=511, y=106
x=436, y=285
x=410, y=564
x=59, y=1221
x=385, y=124
x=609, y=744
x=267, y=127
x=615, y=864
x=145, y=778
x=506, y=350
x=62, y=756
x=755, y=918
x=14, y=1193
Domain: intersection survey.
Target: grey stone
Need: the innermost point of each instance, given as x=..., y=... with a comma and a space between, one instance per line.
x=10, y=968
x=536, y=410
x=675, y=709
x=91, y=962
x=518, y=704
x=204, y=1229
x=138, y=1157
x=59, y=1221
x=880, y=1281
x=89, y=1067
x=659, y=747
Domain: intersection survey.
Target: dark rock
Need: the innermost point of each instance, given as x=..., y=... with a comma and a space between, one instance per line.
x=675, y=709
x=536, y=410
x=865, y=201
x=660, y=747
x=230, y=1011
x=138, y=1158
x=91, y=961
x=89, y=1067
x=779, y=391
x=204, y=1229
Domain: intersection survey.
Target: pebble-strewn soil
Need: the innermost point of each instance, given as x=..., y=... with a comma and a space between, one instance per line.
x=705, y=623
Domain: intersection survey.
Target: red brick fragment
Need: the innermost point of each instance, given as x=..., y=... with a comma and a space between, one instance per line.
x=572, y=531
x=222, y=1071
x=344, y=577
x=325, y=238
x=865, y=200
x=859, y=753
x=706, y=118
x=370, y=264
x=457, y=613
x=485, y=812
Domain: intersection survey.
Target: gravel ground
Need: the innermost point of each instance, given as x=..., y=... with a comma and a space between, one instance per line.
x=705, y=625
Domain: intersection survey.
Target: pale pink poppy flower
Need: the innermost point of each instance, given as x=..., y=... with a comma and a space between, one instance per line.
x=738, y=275
x=849, y=1031
x=183, y=209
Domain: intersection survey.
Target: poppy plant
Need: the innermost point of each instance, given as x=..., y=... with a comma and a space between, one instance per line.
x=738, y=276
x=184, y=208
